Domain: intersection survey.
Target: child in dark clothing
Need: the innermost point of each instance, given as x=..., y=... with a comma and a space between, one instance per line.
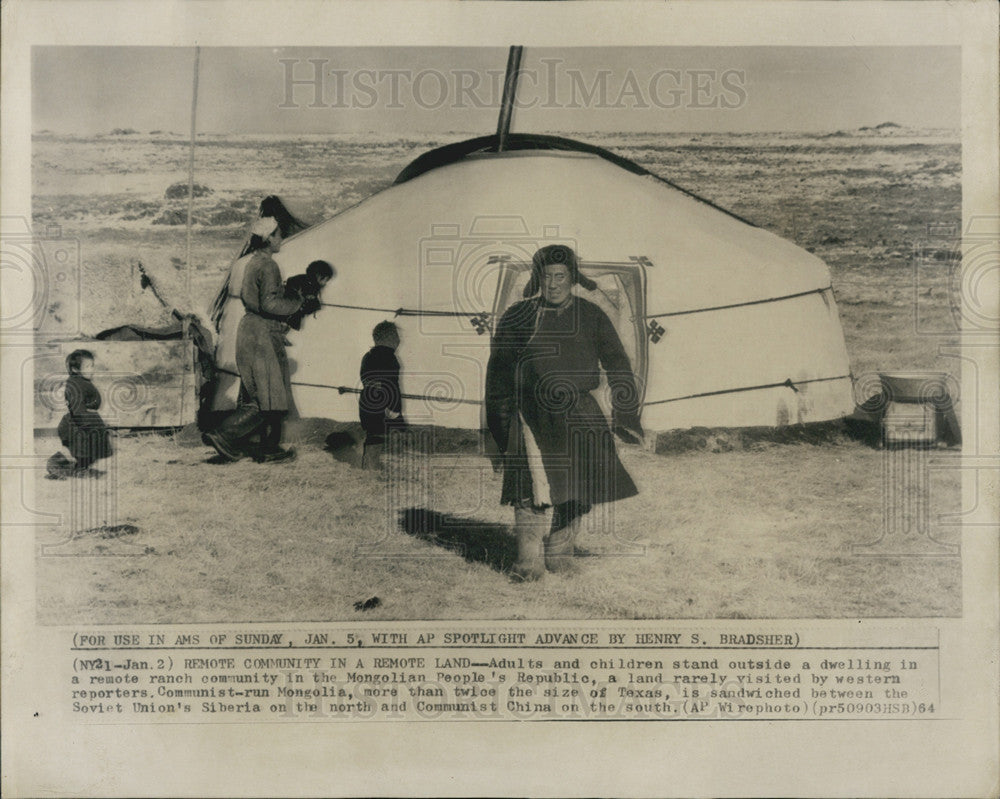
x=307, y=288
x=381, y=402
x=82, y=430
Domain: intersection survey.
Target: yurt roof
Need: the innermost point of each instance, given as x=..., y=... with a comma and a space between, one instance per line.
x=456, y=151
x=703, y=257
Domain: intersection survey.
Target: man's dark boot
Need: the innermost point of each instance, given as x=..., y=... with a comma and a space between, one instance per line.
x=270, y=440
x=237, y=426
x=371, y=458
x=530, y=527
x=560, y=547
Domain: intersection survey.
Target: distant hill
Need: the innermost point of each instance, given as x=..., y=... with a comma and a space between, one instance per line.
x=882, y=126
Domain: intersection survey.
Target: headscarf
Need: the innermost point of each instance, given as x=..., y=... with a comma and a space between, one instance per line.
x=555, y=254
x=264, y=227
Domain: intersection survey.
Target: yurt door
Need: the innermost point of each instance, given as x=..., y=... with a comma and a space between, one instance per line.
x=620, y=293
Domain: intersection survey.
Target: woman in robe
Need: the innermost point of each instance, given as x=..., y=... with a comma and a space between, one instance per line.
x=265, y=379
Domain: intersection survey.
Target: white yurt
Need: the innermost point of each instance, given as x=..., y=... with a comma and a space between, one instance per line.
x=726, y=324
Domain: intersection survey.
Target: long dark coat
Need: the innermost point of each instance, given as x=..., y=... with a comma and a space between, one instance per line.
x=543, y=367
x=260, y=343
x=380, y=393
x=82, y=430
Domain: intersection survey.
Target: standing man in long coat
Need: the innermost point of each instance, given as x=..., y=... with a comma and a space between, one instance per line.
x=559, y=452
x=265, y=379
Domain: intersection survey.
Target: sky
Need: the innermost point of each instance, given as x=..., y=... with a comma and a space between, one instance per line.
x=88, y=90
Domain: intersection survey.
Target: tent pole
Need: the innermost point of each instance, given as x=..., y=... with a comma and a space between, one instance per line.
x=509, y=93
x=194, y=111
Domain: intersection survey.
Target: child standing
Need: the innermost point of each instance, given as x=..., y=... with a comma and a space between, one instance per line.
x=381, y=402
x=82, y=430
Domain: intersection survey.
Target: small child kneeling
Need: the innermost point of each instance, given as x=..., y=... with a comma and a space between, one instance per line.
x=82, y=430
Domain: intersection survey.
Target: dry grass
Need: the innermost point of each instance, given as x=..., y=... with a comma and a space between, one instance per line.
x=760, y=534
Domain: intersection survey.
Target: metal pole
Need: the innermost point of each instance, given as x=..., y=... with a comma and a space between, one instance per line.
x=509, y=93
x=194, y=112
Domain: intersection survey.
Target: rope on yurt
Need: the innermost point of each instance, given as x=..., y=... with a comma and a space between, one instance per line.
x=739, y=304
x=786, y=384
x=352, y=390
x=395, y=311
x=403, y=311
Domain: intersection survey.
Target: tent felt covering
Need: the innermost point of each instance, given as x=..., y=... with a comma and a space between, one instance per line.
x=726, y=324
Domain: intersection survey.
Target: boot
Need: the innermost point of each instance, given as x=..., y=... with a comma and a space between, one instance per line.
x=270, y=450
x=560, y=547
x=276, y=456
x=371, y=458
x=237, y=426
x=59, y=467
x=529, y=527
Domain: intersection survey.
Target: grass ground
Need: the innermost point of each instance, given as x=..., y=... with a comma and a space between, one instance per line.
x=754, y=534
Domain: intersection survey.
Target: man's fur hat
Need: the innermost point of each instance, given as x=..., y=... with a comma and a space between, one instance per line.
x=555, y=254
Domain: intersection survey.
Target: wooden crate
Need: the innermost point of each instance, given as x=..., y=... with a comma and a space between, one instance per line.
x=909, y=423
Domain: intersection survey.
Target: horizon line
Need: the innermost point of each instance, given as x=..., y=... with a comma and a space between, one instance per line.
x=124, y=132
